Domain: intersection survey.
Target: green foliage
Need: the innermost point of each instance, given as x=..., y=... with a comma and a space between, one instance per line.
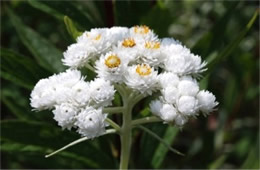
x=72, y=30
x=33, y=36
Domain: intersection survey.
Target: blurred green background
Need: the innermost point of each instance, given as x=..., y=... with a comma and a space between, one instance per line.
x=225, y=33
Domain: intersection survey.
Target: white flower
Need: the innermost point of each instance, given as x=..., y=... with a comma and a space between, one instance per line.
x=129, y=48
x=206, y=101
x=142, y=78
x=166, y=112
x=187, y=105
x=54, y=90
x=80, y=93
x=155, y=107
x=142, y=33
x=101, y=92
x=78, y=54
x=98, y=39
x=42, y=96
x=112, y=66
x=65, y=114
x=166, y=42
x=170, y=94
x=180, y=60
x=188, y=86
x=150, y=52
x=91, y=122
x=167, y=79
x=116, y=34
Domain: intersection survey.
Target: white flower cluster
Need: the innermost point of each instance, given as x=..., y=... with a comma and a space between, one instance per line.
x=133, y=56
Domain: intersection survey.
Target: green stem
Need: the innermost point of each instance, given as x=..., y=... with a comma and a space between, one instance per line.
x=109, y=131
x=113, y=124
x=145, y=120
x=126, y=132
x=112, y=110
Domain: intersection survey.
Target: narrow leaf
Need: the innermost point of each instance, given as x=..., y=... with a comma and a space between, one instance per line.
x=233, y=45
x=160, y=139
x=20, y=69
x=72, y=30
x=38, y=151
x=76, y=142
x=161, y=150
x=49, y=136
x=47, y=55
x=82, y=16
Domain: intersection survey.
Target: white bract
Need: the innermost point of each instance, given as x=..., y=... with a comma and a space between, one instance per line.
x=120, y=56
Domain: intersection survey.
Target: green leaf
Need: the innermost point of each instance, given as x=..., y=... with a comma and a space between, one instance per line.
x=161, y=150
x=252, y=160
x=232, y=45
x=158, y=152
x=39, y=5
x=46, y=54
x=16, y=102
x=218, y=162
x=19, y=69
x=72, y=30
x=213, y=39
x=148, y=145
x=48, y=136
x=65, y=159
x=84, y=15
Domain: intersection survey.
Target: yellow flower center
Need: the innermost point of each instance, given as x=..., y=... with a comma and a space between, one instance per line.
x=97, y=37
x=129, y=42
x=112, y=61
x=94, y=38
x=143, y=29
x=152, y=45
x=143, y=70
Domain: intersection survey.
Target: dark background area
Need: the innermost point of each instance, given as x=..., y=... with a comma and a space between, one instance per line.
x=33, y=33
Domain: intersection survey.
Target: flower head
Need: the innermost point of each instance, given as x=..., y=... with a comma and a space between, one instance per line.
x=133, y=61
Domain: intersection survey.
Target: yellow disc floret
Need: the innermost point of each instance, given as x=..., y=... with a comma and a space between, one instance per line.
x=143, y=29
x=143, y=70
x=112, y=61
x=97, y=37
x=94, y=38
x=152, y=45
x=129, y=42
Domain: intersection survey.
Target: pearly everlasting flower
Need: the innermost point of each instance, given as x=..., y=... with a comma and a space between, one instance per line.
x=91, y=122
x=187, y=105
x=142, y=78
x=77, y=55
x=150, y=52
x=188, y=86
x=168, y=79
x=116, y=34
x=80, y=93
x=155, y=107
x=180, y=60
x=54, y=90
x=206, y=101
x=133, y=61
x=101, y=92
x=142, y=33
x=112, y=66
x=65, y=114
x=170, y=94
